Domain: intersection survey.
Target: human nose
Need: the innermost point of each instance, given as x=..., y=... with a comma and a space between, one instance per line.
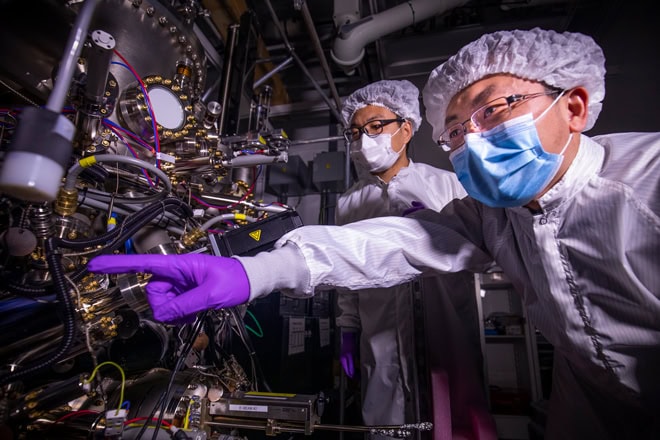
x=470, y=127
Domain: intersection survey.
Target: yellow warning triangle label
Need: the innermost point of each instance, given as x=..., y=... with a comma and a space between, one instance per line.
x=256, y=235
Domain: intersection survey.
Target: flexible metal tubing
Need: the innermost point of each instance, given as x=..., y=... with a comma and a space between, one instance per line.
x=78, y=167
x=90, y=201
x=221, y=217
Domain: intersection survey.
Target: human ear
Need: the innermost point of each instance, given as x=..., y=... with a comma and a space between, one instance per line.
x=578, y=99
x=406, y=129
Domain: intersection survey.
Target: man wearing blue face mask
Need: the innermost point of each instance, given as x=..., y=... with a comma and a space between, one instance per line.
x=573, y=221
x=382, y=118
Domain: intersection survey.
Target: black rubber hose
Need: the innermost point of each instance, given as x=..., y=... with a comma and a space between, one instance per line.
x=65, y=306
x=116, y=237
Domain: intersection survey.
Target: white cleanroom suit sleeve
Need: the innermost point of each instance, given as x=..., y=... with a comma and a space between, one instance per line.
x=585, y=265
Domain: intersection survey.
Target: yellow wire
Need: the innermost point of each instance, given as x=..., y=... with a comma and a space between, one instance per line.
x=123, y=379
x=187, y=419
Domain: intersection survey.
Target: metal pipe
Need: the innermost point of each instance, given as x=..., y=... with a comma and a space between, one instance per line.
x=317, y=141
x=347, y=165
x=348, y=49
x=302, y=66
x=267, y=76
x=309, y=23
x=227, y=69
x=70, y=60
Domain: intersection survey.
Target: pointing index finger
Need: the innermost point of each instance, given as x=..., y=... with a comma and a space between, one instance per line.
x=113, y=264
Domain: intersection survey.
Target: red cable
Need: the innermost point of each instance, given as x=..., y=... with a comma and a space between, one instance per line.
x=139, y=419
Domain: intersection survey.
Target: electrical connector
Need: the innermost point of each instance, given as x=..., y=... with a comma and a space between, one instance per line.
x=179, y=434
x=114, y=422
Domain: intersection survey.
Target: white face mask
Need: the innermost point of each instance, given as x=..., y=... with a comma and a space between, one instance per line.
x=375, y=154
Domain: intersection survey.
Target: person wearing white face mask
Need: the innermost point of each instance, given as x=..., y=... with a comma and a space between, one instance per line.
x=382, y=118
x=579, y=244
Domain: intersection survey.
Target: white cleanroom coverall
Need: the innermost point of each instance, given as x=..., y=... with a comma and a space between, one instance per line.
x=384, y=316
x=587, y=267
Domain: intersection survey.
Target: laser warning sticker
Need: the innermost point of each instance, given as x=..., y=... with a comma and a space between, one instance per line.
x=255, y=237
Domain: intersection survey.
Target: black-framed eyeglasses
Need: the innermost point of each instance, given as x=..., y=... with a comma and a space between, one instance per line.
x=484, y=118
x=371, y=129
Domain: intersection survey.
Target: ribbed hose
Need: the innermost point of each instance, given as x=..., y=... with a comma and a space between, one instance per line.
x=66, y=307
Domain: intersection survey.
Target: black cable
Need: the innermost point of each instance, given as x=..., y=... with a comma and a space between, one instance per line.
x=245, y=337
x=162, y=400
x=111, y=240
x=65, y=306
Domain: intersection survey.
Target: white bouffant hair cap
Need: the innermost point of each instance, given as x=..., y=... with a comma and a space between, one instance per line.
x=562, y=60
x=400, y=97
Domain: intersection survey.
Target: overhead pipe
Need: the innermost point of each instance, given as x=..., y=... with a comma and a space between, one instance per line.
x=348, y=49
x=309, y=24
x=301, y=65
x=226, y=74
x=267, y=76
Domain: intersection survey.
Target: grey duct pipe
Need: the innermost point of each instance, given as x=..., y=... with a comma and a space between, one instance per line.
x=348, y=49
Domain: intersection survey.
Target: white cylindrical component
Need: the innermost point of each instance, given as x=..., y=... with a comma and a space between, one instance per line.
x=255, y=159
x=30, y=176
x=41, y=149
x=348, y=49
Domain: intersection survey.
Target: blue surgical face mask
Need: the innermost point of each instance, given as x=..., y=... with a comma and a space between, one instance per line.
x=506, y=166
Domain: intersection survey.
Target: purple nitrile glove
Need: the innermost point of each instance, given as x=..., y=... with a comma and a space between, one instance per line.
x=347, y=353
x=416, y=206
x=182, y=285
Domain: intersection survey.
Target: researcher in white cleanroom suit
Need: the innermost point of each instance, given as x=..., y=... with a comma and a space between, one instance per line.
x=382, y=118
x=573, y=221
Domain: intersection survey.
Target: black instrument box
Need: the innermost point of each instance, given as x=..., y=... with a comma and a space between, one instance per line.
x=256, y=237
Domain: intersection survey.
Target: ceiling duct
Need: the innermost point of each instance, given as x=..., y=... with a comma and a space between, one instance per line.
x=348, y=49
